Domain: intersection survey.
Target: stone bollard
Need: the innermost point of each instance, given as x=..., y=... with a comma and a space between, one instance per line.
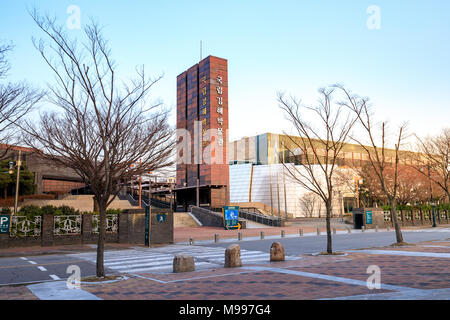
x=334, y=230
x=216, y=238
x=376, y=228
x=262, y=235
x=191, y=241
x=233, y=256
x=363, y=228
x=182, y=263
x=349, y=230
x=240, y=236
x=283, y=234
x=387, y=229
x=277, y=252
x=301, y=232
x=318, y=231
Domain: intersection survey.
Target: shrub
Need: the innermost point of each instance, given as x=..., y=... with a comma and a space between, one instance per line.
x=30, y=211
x=5, y=211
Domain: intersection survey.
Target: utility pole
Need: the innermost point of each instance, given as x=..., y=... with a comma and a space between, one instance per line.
x=150, y=189
x=16, y=200
x=140, y=187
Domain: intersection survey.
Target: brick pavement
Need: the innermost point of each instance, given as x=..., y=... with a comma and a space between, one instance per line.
x=290, y=280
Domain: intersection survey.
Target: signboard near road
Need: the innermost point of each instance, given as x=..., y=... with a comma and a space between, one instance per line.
x=161, y=217
x=4, y=223
x=231, y=217
x=369, y=217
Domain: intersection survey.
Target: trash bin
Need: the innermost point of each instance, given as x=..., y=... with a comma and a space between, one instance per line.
x=358, y=218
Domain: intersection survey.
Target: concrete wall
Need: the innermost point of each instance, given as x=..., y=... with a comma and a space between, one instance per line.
x=208, y=218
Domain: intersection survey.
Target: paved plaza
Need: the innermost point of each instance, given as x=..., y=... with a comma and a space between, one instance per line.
x=417, y=271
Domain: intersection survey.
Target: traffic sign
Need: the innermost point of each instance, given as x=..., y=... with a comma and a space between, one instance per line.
x=5, y=221
x=161, y=217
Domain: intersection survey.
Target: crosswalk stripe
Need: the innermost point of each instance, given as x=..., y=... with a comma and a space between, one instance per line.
x=154, y=259
x=139, y=260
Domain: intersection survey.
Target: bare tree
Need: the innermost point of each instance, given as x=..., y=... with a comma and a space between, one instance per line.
x=380, y=162
x=16, y=101
x=308, y=204
x=433, y=159
x=318, y=149
x=107, y=133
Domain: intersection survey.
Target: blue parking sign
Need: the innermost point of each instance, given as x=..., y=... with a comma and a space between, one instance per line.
x=4, y=223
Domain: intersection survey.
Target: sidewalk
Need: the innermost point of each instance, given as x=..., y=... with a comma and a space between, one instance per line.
x=181, y=235
x=422, y=274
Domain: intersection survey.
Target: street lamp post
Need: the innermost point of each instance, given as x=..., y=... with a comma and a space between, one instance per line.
x=16, y=198
x=433, y=210
x=432, y=202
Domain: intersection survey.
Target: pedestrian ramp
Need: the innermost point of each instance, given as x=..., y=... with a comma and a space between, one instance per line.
x=150, y=260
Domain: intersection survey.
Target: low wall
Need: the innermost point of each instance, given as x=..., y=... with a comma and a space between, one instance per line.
x=130, y=229
x=207, y=218
x=210, y=218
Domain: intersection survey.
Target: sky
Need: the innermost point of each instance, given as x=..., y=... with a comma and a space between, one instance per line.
x=397, y=54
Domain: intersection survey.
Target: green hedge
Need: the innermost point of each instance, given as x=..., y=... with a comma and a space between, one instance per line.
x=424, y=207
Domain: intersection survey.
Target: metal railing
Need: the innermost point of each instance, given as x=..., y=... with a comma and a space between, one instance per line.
x=64, y=225
x=112, y=223
x=21, y=226
x=260, y=218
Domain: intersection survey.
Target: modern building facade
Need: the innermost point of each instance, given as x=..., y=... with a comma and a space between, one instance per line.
x=48, y=176
x=202, y=123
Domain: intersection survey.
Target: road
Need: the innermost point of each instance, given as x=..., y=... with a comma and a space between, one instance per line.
x=315, y=244
x=32, y=269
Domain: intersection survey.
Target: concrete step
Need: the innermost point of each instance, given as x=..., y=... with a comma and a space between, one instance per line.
x=183, y=219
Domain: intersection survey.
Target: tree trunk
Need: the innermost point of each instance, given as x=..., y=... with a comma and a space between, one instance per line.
x=398, y=232
x=101, y=239
x=328, y=220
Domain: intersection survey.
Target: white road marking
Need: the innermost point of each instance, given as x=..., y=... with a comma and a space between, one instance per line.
x=32, y=262
x=330, y=278
x=55, y=277
x=57, y=290
x=161, y=259
x=42, y=268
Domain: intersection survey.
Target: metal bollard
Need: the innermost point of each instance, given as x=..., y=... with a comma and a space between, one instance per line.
x=283, y=234
x=301, y=232
x=216, y=238
x=334, y=230
x=191, y=241
x=318, y=231
x=262, y=235
x=240, y=236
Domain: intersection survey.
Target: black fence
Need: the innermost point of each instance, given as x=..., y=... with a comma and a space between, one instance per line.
x=260, y=218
